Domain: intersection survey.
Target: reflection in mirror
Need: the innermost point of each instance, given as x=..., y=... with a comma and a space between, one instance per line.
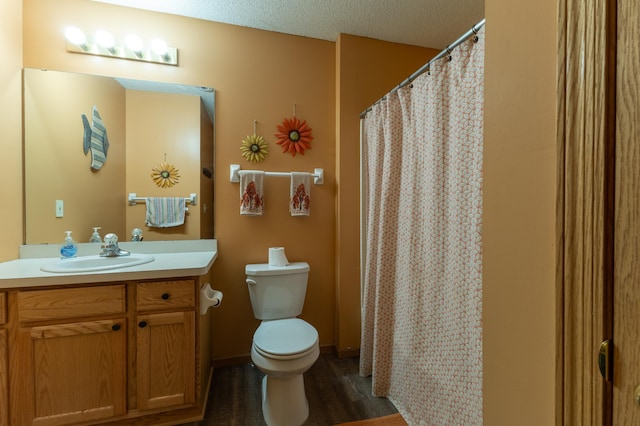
x=147, y=124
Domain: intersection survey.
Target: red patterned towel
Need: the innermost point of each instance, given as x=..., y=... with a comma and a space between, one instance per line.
x=251, y=192
x=300, y=194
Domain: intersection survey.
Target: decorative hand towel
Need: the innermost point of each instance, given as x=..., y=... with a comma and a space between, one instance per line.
x=165, y=212
x=251, y=192
x=300, y=193
x=99, y=140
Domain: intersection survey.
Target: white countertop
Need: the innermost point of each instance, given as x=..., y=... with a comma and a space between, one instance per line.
x=172, y=259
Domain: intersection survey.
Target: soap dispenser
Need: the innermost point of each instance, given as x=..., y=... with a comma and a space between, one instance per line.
x=69, y=247
x=95, y=237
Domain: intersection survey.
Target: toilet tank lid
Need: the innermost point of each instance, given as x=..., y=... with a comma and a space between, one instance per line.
x=266, y=269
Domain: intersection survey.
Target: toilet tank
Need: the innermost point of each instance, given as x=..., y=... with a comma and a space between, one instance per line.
x=277, y=292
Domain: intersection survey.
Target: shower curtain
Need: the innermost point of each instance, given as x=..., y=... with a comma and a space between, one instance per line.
x=422, y=213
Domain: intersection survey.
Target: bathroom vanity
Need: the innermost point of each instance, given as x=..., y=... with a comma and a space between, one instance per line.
x=124, y=345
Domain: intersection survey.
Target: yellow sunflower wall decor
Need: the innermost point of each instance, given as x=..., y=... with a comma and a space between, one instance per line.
x=254, y=148
x=165, y=175
x=294, y=135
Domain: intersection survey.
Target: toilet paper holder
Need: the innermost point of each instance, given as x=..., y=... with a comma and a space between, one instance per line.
x=209, y=298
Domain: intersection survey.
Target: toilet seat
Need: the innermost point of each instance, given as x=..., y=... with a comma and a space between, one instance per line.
x=285, y=339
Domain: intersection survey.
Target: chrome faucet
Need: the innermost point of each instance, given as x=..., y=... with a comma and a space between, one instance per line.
x=136, y=234
x=110, y=247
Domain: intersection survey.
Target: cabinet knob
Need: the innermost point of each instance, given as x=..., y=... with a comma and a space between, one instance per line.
x=115, y=327
x=165, y=296
x=142, y=324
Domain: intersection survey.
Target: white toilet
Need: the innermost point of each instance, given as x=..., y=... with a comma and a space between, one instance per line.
x=284, y=347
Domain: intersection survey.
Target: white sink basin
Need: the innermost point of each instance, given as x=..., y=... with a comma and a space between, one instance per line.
x=96, y=263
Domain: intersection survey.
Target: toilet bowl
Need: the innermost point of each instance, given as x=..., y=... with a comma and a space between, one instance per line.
x=284, y=350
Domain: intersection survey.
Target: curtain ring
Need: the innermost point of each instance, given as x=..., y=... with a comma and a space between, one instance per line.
x=475, y=32
x=449, y=58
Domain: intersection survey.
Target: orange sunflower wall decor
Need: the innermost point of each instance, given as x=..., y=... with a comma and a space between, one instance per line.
x=294, y=135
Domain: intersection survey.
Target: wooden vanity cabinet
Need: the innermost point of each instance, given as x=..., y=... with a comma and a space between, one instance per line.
x=113, y=353
x=4, y=363
x=165, y=344
x=71, y=355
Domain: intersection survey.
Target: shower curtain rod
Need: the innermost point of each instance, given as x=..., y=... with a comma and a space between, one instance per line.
x=446, y=51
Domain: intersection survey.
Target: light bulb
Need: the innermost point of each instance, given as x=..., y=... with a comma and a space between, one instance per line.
x=159, y=47
x=134, y=43
x=75, y=36
x=105, y=39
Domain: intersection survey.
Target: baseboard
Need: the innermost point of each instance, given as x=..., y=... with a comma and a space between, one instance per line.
x=328, y=349
x=236, y=360
x=351, y=353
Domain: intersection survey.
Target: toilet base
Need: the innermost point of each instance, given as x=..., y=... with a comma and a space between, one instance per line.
x=284, y=402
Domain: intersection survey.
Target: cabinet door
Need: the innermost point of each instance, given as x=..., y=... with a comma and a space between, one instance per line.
x=72, y=372
x=4, y=377
x=165, y=360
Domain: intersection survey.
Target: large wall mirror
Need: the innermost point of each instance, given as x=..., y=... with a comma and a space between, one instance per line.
x=147, y=124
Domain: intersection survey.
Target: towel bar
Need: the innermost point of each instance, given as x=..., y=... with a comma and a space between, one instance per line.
x=234, y=177
x=134, y=199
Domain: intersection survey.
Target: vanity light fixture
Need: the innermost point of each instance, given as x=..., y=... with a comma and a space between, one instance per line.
x=105, y=44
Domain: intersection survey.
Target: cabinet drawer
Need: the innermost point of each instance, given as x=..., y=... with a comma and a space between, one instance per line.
x=77, y=302
x=165, y=294
x=3, y=308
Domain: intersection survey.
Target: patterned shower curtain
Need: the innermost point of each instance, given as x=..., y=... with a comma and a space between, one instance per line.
x=422, y=279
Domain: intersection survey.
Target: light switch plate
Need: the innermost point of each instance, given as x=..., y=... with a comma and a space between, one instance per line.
x=59, y=208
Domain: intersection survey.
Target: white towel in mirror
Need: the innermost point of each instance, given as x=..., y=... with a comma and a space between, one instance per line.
x=165, y=212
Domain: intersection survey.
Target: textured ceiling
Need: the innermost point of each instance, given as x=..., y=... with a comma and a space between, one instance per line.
x=427, y=23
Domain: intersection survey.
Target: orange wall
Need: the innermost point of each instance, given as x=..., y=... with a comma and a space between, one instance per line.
x=519, y=197
x=56, y=166
x=159, y=125
x=11, y=128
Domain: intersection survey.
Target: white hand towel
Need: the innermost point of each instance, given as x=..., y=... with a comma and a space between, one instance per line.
x=165, y=212
x=300, y=194
x=251, y=192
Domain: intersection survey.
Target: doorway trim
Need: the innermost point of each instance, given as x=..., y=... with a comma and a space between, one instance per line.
x=586, y=148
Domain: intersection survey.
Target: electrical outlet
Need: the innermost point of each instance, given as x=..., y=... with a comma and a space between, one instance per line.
x=59, y=208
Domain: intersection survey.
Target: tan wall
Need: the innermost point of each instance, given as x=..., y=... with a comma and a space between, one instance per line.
x=519, y=213
x=56, y=167
x=163, y=125
x=358, y=86
x=11, y=128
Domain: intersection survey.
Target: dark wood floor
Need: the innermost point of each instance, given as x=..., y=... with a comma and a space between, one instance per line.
x=335, y=390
